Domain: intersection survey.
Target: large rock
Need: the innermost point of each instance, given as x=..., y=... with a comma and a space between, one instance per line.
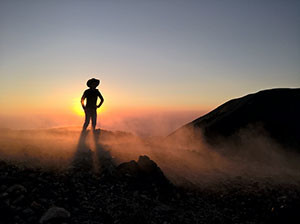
x=144, y=171
x=147, y=165
x=130, y=169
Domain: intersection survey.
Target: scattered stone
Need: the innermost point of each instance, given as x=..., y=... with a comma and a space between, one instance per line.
x=55, y=213
x=28, y=211
x=135, y=195
x=163, y=208
x=4, y=195
x=3, y=187
x=17, y=188
x=19, y=199
x=35, y=205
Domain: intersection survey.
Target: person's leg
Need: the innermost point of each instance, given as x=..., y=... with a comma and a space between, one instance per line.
x=94, y=119
x=87, y=119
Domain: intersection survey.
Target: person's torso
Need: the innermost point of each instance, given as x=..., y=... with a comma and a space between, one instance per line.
x=91, y=97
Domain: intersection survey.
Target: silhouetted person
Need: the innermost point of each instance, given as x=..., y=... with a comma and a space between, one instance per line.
x=91, y=95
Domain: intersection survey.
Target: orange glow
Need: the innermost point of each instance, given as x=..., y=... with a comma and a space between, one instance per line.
x=78, y=110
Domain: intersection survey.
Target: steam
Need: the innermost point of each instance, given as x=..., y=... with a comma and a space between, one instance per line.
x=184, y=157
x=140, y=122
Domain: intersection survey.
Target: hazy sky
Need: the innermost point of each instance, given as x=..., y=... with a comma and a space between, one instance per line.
x=150, y=55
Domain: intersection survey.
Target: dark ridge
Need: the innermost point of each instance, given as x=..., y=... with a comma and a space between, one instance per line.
x=275, y=110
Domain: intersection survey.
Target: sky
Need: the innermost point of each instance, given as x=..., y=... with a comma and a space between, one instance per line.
x=161, y=62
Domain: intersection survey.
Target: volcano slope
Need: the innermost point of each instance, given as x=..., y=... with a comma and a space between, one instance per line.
x=274, y=111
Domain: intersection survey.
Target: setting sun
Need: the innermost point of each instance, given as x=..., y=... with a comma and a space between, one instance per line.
x=77, y=108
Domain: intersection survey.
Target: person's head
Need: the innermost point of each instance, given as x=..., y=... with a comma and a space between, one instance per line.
x=93, y=83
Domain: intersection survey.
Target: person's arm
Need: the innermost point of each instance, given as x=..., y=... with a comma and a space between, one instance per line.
x=82, y=100
x=101, y=99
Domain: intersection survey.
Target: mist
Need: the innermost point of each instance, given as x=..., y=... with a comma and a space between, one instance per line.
x=184, y=158
x=144, y=123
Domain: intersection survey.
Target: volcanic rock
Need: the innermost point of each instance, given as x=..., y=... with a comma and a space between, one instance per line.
x=130, y=169
x=144, y=173
x=17, y=189
x=55, y=214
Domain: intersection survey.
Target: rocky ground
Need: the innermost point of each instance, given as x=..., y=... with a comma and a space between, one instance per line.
x=136, y=192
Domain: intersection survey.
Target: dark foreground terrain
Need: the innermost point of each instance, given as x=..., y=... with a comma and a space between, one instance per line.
x=137, y=192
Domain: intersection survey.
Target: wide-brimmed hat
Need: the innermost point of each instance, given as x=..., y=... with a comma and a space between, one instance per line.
x=92, y=81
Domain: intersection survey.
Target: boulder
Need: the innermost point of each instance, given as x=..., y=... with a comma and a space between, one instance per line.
x=144, y=172
x=130, y=169
x=147, y=165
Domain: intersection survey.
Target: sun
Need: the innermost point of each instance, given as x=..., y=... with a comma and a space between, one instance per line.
x=78, y=110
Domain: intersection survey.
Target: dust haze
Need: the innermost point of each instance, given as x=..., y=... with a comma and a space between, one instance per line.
x=184, y=158
x=140, y=122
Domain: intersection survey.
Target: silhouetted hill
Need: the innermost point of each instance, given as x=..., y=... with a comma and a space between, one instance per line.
x=276, y=110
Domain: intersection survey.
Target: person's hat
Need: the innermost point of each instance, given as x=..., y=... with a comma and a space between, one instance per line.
x=93, y=81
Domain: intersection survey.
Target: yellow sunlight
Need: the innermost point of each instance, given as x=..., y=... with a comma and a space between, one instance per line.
x=77, y=108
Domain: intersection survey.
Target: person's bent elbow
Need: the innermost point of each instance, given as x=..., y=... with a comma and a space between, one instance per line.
x=100, y=104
